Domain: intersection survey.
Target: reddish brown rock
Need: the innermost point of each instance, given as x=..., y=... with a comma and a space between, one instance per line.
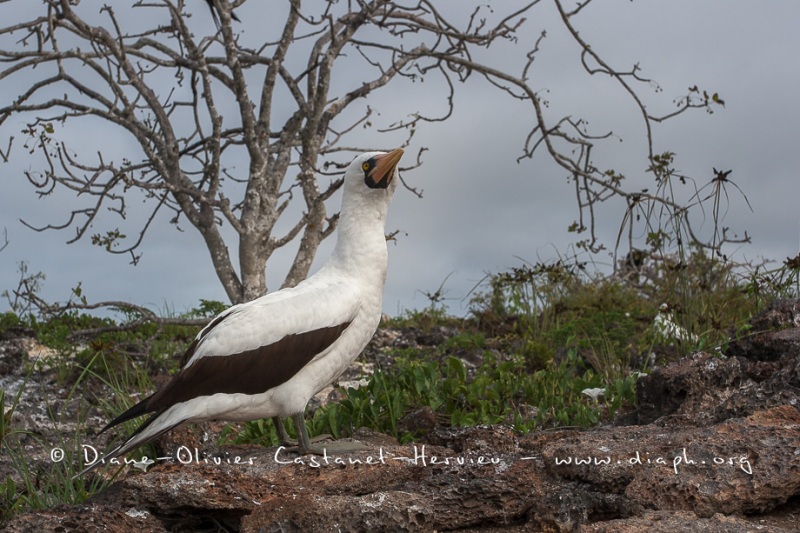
x=760, y=342
x=707, y=388
x=438, y=488
x=679, y=522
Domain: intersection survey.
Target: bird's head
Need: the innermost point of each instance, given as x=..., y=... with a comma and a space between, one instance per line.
x=374, y=170
x=369, y=182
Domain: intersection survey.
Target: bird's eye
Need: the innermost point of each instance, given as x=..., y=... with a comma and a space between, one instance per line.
x=365, y=166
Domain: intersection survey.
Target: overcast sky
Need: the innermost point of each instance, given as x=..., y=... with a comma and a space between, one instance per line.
x=483, y=212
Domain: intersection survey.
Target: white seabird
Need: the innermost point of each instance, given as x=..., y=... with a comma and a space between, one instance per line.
x=268, y=357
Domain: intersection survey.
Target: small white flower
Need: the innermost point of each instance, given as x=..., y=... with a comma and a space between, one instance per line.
x=143, y=464
x=594, y=394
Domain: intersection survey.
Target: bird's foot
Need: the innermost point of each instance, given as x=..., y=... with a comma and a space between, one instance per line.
x=338, y=447
x=320, y=438
x=293, y=445
x=304, y=445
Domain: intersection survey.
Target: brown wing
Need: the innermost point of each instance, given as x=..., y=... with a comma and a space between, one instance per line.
x=249, y=372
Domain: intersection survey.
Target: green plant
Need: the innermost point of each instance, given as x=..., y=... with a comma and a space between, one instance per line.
x=763, y=286
x=207, y=309
x=498, y=392
x=114, y=365
x=44, y=483
x=9, y=320
x=41, y=482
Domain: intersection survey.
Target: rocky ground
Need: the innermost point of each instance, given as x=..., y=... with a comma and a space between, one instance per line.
x=714, y=445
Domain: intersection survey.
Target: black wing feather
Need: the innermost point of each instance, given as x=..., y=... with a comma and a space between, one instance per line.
x=249, y=372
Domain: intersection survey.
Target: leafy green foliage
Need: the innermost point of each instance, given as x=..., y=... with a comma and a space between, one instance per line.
x=207, y=309
x=498, y=392
x=8, y=321
x=108, y=241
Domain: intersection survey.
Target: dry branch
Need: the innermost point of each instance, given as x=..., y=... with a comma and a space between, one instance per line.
x=223, y=133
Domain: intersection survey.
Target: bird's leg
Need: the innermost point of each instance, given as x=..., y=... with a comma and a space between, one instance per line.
x=303, y=443
x=304, y=446
x=285, y=440
x=283, y=437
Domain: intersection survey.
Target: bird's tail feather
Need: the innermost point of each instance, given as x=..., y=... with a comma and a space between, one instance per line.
x=137, y=410
x=150, y=430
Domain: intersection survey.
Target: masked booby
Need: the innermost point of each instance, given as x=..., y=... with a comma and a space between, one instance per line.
x=268, y=357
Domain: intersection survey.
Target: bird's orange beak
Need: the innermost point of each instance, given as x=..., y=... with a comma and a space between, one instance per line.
x=385, y=165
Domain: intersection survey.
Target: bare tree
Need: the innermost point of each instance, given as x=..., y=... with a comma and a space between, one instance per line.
x=290, y=106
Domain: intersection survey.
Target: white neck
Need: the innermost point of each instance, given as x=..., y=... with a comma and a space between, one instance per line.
x=361, y=240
